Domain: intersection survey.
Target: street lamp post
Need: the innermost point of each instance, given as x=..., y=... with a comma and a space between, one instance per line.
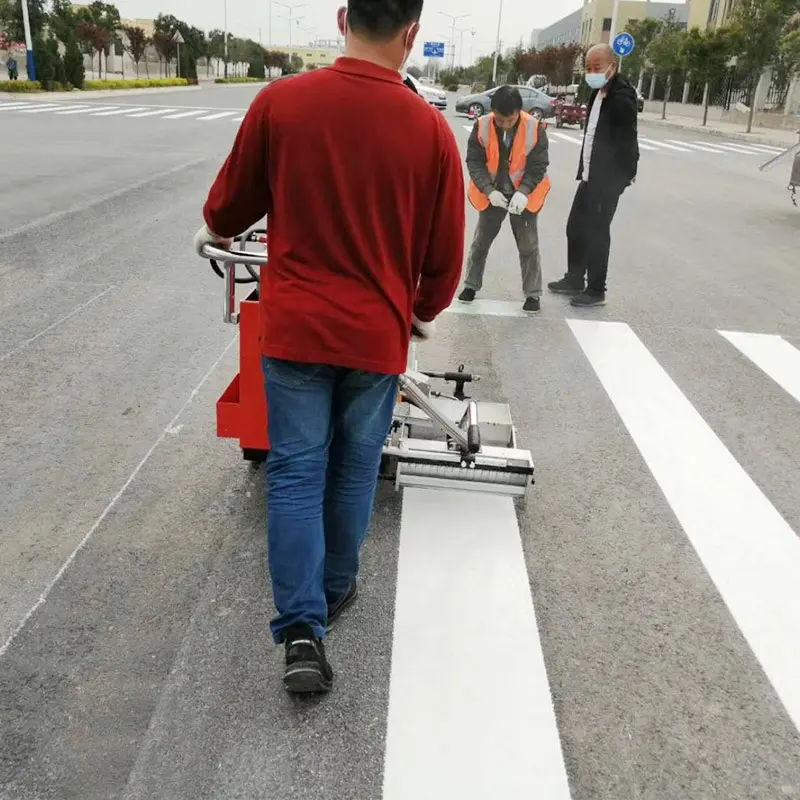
x=225, y=43
x=30, y=65
x=453, y=35
x=497, y=43
x=614, y=22
x=290, y=18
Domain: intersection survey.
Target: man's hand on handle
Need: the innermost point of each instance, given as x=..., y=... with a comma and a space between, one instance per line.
x=518, y=203
x=498, y=199
x=206, y=236
x=422, y=331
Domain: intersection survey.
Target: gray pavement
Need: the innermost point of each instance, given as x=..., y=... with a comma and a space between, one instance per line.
x=147, y=672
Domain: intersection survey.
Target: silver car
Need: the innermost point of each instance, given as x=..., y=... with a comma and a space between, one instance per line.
x=534, y=101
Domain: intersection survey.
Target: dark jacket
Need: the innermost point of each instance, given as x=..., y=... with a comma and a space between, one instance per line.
x=535, y=166
x=615, y=153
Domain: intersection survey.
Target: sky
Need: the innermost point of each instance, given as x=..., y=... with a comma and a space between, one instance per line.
x=318, y=20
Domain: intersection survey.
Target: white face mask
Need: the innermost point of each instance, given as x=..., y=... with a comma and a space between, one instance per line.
x=407, y=49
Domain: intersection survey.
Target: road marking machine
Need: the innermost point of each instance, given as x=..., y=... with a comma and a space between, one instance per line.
x=436, y=440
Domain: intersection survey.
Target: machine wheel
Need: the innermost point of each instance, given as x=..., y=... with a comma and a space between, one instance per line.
x=475, y=110
x=255, y=456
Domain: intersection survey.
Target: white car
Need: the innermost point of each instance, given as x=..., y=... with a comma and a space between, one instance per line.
x=435, y=97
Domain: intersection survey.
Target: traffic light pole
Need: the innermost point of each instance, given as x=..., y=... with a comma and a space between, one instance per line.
x=26, y=23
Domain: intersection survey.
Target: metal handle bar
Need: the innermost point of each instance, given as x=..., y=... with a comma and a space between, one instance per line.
x=233, y=256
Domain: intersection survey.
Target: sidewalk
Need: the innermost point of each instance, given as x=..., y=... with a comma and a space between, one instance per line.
x=730, y=130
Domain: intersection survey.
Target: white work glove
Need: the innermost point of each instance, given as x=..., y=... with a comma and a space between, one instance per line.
x=518, y=203
x=422, y=331
x=498, y=199
x=206, y=236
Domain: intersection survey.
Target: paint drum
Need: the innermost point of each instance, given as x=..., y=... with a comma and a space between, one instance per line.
x=794, y=180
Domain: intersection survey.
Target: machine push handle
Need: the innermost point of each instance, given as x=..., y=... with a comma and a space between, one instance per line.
x=233, y=256
x=473, y=429
x=229, y=259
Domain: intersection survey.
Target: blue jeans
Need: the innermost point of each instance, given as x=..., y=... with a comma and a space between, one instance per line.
x=327, y=427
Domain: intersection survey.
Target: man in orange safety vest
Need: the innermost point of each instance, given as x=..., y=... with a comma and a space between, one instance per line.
x=507, y=159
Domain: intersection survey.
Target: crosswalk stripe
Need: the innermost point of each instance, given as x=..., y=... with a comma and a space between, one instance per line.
x=739, y=148
x=40, y=109
x=217, y=116
x=152, y=113
x=483, y=726
x=187, y=114
x=696, y=146
x=768, y=148
x=80, y=110
x=749, y=551
x=665, y=144
x=566, y=138
x=119, y=111
x=773, y=355
x=643, y=146
x=238, y=119
x=8, y=106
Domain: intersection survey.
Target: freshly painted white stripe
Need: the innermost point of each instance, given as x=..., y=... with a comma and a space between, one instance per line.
x=8, y=106
x=467, y=722
x=492, y=308
x=739, y=148
x=217, y=116
x=748, y=549
x=643, y=146
x=187, y=114
x=40, y=109
x=773, y=354
x=694, y=145
x=120, y=111
x=238, y=119
x=152, y=113
x=80, y=110
x=665, y=144
x=564, y=136
x=767, y=148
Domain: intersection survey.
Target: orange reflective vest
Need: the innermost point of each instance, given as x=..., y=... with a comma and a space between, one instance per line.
x=525, y=140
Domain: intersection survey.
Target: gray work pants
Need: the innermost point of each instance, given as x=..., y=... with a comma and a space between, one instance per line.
x=526, y=235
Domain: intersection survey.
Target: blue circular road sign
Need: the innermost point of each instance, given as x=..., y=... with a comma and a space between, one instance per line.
x=623, y=44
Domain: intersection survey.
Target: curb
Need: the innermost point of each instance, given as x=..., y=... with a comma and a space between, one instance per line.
x=755, y=138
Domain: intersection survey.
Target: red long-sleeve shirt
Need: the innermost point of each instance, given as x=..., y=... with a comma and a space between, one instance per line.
x=362, y=184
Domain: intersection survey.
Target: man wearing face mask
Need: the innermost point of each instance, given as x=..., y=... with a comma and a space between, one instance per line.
x=608, y=164
x=366, y=236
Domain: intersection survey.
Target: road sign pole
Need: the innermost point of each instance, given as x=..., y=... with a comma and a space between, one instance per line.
x=614, y=21
x=30, y=65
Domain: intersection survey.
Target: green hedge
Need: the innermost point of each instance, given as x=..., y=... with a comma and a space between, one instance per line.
x=153, y=83
x=240, y=80
x=20, y=86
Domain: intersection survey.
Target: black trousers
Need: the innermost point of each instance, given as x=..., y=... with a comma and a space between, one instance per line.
x=589, y=235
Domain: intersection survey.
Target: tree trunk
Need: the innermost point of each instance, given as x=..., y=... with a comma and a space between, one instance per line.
x=752, y=102
x=705, y=103
x=667, y=88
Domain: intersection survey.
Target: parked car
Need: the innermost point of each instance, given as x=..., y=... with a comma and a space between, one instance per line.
x=534, y=101
x=435, y=97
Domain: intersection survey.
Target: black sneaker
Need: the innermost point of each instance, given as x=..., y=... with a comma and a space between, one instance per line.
x=307, y=669
x=336, y=608
x=588, y=299
x=531, y=305
x=467, y=295
x=564, y=286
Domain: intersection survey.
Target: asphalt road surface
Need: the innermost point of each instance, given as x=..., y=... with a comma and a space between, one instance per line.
x=632, y=630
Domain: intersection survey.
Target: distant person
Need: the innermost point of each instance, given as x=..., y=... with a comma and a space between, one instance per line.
x=12, y=67
x=507, y=159
x=608, y=163
x=365, y=223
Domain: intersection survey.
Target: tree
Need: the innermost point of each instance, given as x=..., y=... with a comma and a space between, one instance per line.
x=706, y=55
x=103, y=20
x=643, y=32
x=95, y=39
x=664, y=53
x=789, y=46
x=136, y=44
x=165, y=46
x=757, y=26
x=62, y=20
x=11, y=18
x=73, y=63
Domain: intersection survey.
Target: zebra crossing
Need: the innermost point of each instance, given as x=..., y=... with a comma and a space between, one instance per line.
x=668, y=146
x=71, y=109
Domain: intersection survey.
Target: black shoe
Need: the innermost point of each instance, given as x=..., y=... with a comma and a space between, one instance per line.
x=467, y=295
x=588, y=299
x=336, y=608
x=564, y=286
x=307, y=669
x=531, y=305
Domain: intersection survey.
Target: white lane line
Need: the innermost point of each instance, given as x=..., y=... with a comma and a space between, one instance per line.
x=120, y=111
x=492, y=308
x=564, y=136
x=152, y=113
x=40, y=109
x=695, y=146
x=81, y=110
x=187, y=114
x=114, y=500
x=766, y=148
x=55, y=324
x=747, y=548
x=740, y=148
x=9, y=106
x=238, y=119
x=643, y=146
x=773, y=355
x=665, y=144
x=217, y=116
x=468, y=723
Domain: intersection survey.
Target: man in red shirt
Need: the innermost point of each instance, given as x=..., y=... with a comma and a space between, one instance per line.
x=362, y=185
